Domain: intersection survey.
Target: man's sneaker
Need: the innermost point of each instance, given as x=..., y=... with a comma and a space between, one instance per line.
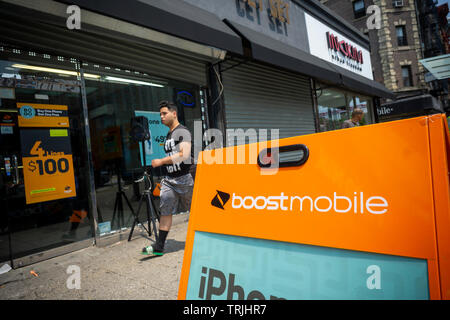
x=151, y=251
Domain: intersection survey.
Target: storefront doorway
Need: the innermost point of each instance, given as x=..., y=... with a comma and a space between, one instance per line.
x=43, y=155
x=113, y=100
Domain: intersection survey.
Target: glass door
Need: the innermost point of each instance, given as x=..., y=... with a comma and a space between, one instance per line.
x=43, y=154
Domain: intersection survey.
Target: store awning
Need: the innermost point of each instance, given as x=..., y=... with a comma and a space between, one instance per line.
x=438, y=66
x=270, y=50
x=412, y=106
x=174, y=17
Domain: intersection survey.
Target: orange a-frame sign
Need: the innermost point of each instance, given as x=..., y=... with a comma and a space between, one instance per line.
x=367, y=216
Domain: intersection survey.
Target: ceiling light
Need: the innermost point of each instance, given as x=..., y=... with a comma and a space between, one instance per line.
x=52, y=70
x=133, y=81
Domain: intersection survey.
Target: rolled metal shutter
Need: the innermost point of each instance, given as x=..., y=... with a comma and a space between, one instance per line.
x=94, y=45
x=261, y=97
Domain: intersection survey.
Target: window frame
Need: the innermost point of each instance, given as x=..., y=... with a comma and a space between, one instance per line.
x=361, y=12
x=410, y=79
x=401, y=41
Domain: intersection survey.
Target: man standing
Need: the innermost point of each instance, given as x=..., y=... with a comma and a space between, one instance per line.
x=177, y=186
x=357, y=116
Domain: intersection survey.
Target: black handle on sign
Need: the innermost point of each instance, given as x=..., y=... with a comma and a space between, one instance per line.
x=274, y=155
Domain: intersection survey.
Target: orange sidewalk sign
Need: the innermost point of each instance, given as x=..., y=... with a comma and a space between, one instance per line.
x=366, y=216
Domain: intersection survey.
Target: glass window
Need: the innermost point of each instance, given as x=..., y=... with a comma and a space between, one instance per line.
x=359, y=9
x=335, y=106
x=407, y=76
x=113, y=99
x=401, y=36
x=43, y=153
x=332, y=109
x=365, y=104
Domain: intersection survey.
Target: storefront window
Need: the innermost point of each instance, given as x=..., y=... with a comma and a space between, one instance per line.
x=114, y=99
x=332, y=109
x=43, y=154
x=335, y=106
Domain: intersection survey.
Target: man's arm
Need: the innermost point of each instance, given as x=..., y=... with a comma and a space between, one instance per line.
x=184, y=154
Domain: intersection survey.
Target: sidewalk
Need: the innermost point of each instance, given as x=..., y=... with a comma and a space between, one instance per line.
x=115, y=272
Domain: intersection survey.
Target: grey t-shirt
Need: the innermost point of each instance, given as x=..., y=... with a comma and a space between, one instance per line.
x=172, y=146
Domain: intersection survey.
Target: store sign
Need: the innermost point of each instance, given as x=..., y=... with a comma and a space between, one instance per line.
x=228, y=267
x=331, y=46
x=42, y=115
x=282, y=20
x=154, y=148
x=343, y=47
x=47, y=164
x=317, y=231
x=46, y=152
x=276, y=9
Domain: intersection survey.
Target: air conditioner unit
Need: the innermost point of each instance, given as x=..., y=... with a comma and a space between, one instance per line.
x=398, y=3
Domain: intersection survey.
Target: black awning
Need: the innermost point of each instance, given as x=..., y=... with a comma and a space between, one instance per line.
x=269, y=50
x=272, y=51
x=174, y=17
x=361, y=84
x=412, y=106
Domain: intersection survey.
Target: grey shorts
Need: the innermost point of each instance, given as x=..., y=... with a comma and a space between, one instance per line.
x=176, y=194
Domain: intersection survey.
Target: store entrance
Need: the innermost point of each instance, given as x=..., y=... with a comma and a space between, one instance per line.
x=43, y=158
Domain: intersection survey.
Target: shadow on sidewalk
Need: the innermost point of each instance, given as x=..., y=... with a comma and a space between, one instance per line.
x=170, y=246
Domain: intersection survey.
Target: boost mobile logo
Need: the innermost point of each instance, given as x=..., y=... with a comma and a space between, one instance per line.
x=357, y=203
x=220, y=199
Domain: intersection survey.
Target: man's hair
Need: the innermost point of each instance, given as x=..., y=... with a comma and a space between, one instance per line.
x=357, y=111
x=169, y=105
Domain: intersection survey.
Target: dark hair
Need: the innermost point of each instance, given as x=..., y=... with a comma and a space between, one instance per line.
x=169, y=105
x=357, y=111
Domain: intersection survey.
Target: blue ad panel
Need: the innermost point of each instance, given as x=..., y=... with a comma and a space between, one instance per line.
x=230, y=267
x=154, y=148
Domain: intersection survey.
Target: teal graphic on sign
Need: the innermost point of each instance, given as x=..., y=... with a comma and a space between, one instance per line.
x=27, y=112
x=154, y=148
x=230, y=267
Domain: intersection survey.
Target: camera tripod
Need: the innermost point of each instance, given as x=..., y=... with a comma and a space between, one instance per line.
x=118, y=204
x=152, y=212
x=147, y=197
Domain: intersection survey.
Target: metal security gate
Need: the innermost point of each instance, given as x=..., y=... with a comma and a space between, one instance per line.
x=262, y=97
x=49, y=34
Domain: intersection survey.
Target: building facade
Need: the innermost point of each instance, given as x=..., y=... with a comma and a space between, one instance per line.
x=408, y=32
x=68, y=95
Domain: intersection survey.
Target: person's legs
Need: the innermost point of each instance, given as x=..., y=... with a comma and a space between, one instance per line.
x=168, y=206
x=165, y=222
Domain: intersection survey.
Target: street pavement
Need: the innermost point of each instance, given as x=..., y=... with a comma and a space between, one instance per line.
x=115, y=272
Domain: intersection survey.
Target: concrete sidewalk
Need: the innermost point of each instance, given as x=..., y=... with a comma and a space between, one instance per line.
x=117, y=271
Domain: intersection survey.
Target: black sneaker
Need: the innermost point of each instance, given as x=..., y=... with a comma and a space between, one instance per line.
x=151, y=251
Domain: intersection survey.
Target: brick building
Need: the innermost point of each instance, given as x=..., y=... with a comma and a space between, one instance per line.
x=398, y=45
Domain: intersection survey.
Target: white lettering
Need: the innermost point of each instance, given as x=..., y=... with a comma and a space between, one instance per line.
x=336, y=198
x=335, y=204
x=74, y=281
x=74, y=20
x=323, y=210
x=383, y=204
x=374, y=281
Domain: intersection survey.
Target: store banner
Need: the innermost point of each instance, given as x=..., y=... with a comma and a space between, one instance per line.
x=337, y=225
x=332, y=46
x=154, y=148
x=46, y=152
x=43, y=115
x=47, y=164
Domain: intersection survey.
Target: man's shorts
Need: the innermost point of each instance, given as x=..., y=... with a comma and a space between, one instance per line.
x=176, y=194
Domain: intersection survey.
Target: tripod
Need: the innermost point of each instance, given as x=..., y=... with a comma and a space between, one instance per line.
x=147, y=197
x=118, y=204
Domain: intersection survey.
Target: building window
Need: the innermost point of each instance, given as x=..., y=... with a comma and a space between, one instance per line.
x=359, y=9
x=407, y=76
x=401, y=36
x=335, y=106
